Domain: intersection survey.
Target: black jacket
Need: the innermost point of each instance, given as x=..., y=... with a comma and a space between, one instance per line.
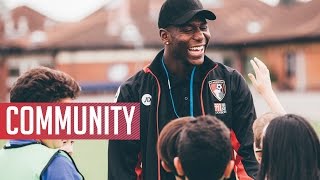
x=236, y=109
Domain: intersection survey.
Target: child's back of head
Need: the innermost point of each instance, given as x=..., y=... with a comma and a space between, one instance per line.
x=291, y=150
x=258, y=127
x=204, y=149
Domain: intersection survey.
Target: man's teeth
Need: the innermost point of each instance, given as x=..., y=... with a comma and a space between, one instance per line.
x=196, y=48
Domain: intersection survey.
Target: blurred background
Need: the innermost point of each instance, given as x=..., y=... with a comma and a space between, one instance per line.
x=101, y=43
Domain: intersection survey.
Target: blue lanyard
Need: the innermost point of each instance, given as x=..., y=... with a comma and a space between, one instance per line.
x=191, y=89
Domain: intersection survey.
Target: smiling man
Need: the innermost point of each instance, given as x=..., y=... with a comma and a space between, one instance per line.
x=182, y=81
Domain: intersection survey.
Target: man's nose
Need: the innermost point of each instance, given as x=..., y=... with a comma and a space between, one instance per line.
x=198, y=35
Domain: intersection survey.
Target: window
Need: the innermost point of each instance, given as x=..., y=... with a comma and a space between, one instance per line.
x=228, y=61
x=14, y=72
x=291, y=64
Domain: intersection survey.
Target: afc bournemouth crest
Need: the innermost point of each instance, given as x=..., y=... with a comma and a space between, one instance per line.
x=218, y=88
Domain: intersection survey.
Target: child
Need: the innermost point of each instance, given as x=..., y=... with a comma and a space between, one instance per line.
x=262, y=83
x=67, y=146
x=258, y=126
x=199, y=148
x=41, y=158
x=167, y=143
x=291, y=150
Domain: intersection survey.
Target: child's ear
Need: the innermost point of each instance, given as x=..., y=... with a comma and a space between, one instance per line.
x=228, y=170
x=178, y=166
x=165, y=167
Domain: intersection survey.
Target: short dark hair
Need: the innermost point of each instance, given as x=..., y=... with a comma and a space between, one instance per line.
x=204, y=148
x=44, y=85
x=291, y=150
x=167, y=146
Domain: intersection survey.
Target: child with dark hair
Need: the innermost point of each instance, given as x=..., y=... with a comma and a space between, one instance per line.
x=291, y=150
x=196, y=148
x=40, y=158
x=168, y=142
x=204, y=150
x=44, y=85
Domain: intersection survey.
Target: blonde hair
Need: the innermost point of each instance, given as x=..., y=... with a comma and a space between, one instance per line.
x=260, y=124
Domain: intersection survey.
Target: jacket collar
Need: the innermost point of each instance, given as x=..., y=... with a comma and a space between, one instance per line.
x=20, y=143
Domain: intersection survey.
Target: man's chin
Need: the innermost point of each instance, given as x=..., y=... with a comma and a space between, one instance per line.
x=196, y=62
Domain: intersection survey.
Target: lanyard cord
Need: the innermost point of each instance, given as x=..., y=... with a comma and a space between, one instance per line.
x=191, y=89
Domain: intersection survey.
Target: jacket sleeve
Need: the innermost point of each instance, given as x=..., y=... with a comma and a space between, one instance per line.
x=123, y=155
x=243, y=115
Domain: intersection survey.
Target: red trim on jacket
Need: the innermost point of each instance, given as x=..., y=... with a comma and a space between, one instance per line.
x=147, y=70
x=138, y=168
x=201, y=99
x=239, y=170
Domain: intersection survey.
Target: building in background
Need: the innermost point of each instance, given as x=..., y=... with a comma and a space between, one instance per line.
x=121, y=37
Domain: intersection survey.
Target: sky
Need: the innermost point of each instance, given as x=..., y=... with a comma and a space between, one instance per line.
x=60, y=10
x=74, y=10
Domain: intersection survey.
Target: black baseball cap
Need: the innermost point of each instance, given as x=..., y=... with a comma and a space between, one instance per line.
x=178, y=12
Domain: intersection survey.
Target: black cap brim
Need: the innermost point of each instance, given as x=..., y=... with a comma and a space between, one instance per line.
x=188, y=16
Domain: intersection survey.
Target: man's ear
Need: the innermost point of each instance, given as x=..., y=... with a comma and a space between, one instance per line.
x=178, y=166
x=164, y=35
x=229, y=169
x=165, y=167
